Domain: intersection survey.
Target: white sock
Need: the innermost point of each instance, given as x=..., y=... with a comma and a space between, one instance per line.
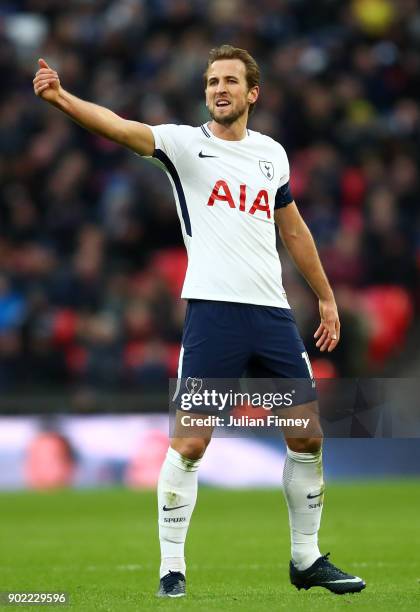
x=302, y=477
x=177, y=489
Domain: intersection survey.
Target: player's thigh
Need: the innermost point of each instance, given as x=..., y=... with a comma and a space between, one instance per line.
x=213, y=355
x=281, y=359
x=279, y=350
x=214, y=342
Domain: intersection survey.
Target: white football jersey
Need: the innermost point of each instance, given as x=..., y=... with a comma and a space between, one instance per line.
x=225, y=193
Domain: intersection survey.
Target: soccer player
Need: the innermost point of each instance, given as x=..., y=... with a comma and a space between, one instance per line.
x=231, y=187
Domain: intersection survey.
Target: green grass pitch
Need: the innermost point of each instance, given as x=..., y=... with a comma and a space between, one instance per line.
x=101, y=547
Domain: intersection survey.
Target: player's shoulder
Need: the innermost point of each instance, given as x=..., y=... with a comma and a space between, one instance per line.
x=177, y=128
x=267, y=141
x=173, y=138
x=179, y=135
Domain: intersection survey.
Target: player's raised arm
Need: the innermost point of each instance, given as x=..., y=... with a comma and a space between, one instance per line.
x=298, y=240
x=95, y=118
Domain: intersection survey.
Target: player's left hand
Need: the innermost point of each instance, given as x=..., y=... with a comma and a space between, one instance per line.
x=328, y=333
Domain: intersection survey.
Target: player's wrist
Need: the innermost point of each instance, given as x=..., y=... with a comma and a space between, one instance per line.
x=327, y=297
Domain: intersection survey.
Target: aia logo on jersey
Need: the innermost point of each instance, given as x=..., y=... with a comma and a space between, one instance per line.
x=222, y=193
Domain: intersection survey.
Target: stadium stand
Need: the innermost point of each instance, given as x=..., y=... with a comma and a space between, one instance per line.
x=91, y=259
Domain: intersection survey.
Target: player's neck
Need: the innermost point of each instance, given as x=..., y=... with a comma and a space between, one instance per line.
x=235, y=131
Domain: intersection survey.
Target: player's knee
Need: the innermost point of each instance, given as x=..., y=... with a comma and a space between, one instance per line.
x=192, y=448
x=305, y=445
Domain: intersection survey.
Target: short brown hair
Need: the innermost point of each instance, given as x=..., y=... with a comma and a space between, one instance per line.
x=252, y=71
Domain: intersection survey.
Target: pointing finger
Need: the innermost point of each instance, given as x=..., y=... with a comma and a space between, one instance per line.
x=42, y=63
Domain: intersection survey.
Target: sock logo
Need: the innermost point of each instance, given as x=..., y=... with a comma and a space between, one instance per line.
x=165, y=509
x=313, y=506
x=310, y=496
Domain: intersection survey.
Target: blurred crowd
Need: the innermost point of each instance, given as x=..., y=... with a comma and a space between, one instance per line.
x=91, y=255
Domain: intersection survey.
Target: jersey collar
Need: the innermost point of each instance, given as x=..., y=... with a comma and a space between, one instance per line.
x=209, y=134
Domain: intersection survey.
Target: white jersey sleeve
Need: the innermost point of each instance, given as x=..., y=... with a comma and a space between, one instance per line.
x=285, y=177
x=172, y=140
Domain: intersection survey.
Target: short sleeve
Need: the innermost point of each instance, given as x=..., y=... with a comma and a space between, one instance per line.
x=284, y=195
x=170, y=140
x=284, y=167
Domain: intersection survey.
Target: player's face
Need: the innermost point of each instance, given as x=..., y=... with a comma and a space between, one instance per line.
x=227, y=93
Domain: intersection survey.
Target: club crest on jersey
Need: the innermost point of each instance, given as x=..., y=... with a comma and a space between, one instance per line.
x=267, y=169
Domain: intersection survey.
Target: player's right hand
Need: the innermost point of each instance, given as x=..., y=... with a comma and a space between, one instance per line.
x=46, y=82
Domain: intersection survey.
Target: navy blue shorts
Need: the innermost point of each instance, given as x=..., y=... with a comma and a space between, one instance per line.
x=230, y=340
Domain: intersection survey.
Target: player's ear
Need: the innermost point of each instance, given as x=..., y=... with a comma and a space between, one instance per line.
x=253, y=94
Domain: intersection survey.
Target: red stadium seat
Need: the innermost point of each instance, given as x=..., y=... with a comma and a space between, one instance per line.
x=171, y=264
x=390, y=312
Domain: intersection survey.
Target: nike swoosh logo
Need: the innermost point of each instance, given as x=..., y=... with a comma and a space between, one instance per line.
x=165, y=509
x=344, y=581
x=201, y=154
x=309, y=496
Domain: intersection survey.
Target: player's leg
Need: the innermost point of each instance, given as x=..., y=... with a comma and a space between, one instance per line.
x=177, y=496
x=303, y=484
x=212, y=348
x=281, y=354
